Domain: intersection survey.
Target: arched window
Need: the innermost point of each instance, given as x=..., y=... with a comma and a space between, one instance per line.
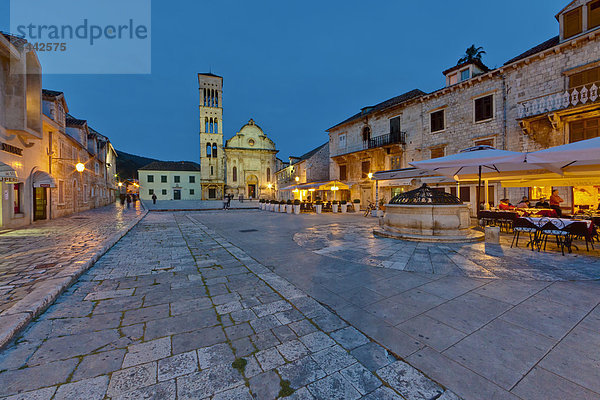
x=268, y=174
x=366, y=133
x=205, y=97
x=216, y=126
x=212, y=97
x=217, y=98
x=210, y=126
x=214, y=150
x=234, y=174
x=207, y=149
x=206, y=125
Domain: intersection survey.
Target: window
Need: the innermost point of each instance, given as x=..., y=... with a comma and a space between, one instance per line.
x=485, y=142
x=366, y=168
x=584, y=129
x=212, y=193
x=192, y=192
x=85, y=193
x=453, y=79
x=268, y=174
x=234, y=174
x=164, y=192
x=342, y=141
x=584, y=77
x=572, y=23
x=395, y=125
x=211, y=170
x=208, y=149
x=96, y=168
x=192, y=179
x=163, y=179
x=206, y=125
x=343, y=175
x=216, y=126
x=214, y=150
x=593, y=14
x=150, y=192
x=176, y=179
x=465, y=74
x=61, y=192
x=437, y=152
x=150, y=178
x=438, y=121
x=17, y=201
x=484, y=108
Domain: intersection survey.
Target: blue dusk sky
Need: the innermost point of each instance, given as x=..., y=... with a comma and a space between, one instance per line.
x=296, y=68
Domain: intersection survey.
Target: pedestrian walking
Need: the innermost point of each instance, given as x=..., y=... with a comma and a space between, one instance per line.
x=229, y=196
x=241, y=198
x=153, y=198
x=128, y=201
x=122, y=199
x=225, y=198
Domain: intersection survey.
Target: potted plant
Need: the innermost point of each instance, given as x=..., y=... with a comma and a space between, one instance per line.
x=334, y=206
x=288, y=207
x=318, y=206
x=261, y=204
x=344, y=206
x=356, y=204
x=282, y=205
x=296, y=207
x=379, y=213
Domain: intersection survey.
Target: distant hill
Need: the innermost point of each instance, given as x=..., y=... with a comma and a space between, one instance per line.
x=128, y=164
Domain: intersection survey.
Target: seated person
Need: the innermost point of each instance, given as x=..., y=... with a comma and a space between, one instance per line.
x=542, y=203
x=524, y=203
x=505, y=205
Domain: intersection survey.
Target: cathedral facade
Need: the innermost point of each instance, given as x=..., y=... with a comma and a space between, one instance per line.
x=246, y=165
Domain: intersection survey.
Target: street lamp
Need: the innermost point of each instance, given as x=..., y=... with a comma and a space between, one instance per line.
x=80, y=167
x=370, y=175
x=297, y=178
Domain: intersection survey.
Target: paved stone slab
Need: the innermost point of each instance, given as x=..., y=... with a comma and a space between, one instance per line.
x=92, y=389
x=133, y=378
x=409, y=382
x=209, y=382
x=334, y=387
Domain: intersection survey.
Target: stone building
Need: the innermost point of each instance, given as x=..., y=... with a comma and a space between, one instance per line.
x=40, y=147
x=544, y=97
x=251, y=163
x=212, y=160
x=170, y=180
x=311, y=167
x=245, y=166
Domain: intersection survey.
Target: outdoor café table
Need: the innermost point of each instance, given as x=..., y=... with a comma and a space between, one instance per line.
x=566, y=228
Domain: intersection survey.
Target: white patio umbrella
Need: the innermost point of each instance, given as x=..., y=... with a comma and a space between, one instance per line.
x=474, y=160
x=556, y=159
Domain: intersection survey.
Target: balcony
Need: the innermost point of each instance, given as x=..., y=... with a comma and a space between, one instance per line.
x=393, y=138
x=578, y=96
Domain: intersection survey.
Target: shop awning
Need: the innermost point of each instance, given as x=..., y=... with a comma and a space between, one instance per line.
x=325, y=185
x=43, y=179
x=8, y=174
x=404, y=174
x=573, y=181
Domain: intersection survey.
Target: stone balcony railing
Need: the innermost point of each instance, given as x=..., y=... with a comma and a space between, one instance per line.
x=577, y=96
x=374, y=142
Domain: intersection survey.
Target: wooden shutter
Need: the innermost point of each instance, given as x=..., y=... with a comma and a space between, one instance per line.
x=584, y=129
x=366, y=168
x=584, y=77
x=395, y=125
x=572, y=23
x=437, y=152
x=593, y=14
x=343, y=175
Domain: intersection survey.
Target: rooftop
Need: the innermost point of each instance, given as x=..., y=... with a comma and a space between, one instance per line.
x=171, y=166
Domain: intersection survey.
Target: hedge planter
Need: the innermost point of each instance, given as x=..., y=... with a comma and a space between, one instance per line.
x=318, y=208
x=344, y=208
x=356, y=207
x=296, y=209
x=282, y=208
x=288, y=208
x=335, y=208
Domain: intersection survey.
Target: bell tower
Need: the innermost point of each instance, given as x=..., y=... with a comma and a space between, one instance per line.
x=212, y=168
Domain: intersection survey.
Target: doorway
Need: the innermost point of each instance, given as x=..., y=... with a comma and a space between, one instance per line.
x=365, y=196
x=177, y=194
x=40, y=202
x=252, y=191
